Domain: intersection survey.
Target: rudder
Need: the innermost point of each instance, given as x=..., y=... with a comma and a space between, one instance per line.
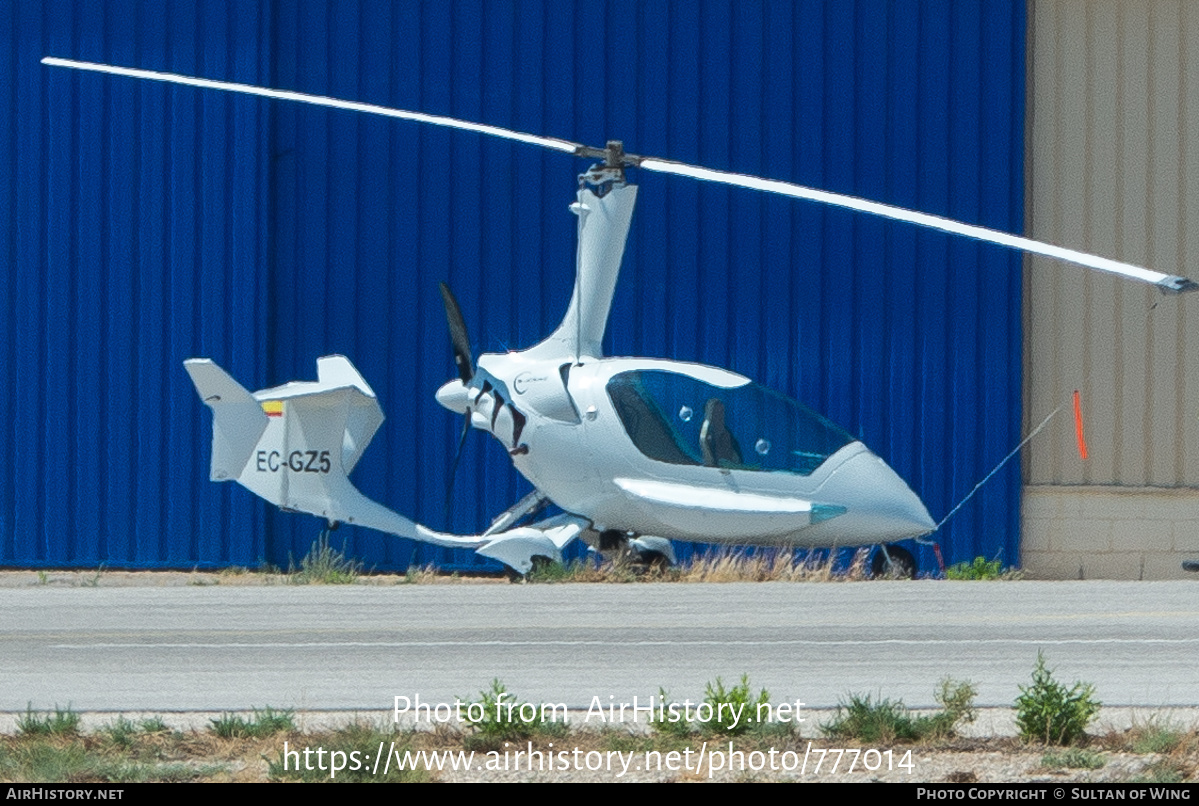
x=238, y=418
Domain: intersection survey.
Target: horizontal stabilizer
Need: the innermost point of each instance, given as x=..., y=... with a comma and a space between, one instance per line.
x=336, y=370
x=317, y=433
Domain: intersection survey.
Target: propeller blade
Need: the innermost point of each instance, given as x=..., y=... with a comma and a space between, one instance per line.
x=616, y=159
x=466, y=370
x=449, y=485
x=458, y=336
x=1166, y=282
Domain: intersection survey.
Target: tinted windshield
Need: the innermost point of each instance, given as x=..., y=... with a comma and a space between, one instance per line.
x=677, y=419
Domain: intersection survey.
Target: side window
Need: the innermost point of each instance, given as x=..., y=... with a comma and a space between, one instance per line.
x=674, y=418
x=645, y=423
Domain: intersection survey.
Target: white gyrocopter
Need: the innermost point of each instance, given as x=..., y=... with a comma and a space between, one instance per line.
x=634, y=451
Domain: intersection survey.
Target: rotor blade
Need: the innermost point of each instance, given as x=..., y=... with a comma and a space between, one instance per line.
x=1165, y=282
x=317, y=100
x=616, y=158
x=458, y=335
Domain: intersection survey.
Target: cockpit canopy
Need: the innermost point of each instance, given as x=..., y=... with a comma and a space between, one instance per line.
x=678, y=419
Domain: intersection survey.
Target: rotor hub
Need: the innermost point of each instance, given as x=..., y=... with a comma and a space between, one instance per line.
x=609, y=173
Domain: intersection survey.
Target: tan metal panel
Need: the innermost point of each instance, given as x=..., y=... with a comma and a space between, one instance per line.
x=1164, y=230
x=1073, y=168
x=1130, y=50
x=1042, y=313
x=1188, y=242
x=1099, y=376
x=1114, y=169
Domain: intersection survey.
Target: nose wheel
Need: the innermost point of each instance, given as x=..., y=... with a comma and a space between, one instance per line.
x=642, y=553
x=893, y=562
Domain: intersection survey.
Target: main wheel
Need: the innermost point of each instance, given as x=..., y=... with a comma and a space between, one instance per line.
x=651, y=562
x=902, y=564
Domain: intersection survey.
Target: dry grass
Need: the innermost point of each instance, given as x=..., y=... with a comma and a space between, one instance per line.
x=777, y=566
x=780, y=565
x=1176, y=748
x=728, y=565
x=424, y=575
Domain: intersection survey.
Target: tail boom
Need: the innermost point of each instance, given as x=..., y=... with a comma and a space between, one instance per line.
x=295, y=445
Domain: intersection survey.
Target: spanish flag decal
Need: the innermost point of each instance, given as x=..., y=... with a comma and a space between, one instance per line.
x=273, y=408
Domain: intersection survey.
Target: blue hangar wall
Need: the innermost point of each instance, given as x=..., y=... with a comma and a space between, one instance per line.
x=145, y=224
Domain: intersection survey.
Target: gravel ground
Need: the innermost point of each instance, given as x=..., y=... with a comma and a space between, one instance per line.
x=987, y=751
x=929, y=766
x=978, y=756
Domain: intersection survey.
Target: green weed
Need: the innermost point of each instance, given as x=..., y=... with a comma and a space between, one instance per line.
x=1049, y=713
x=886, y=721
x=981, y=568
x=870, y=721
x=44, y=761
x=1154, y=736
x=53, y=760
x=349, y=742
x=956, y=698
x=736, y=702
x=556, y=572
x=324, y=565
x=121, y=733
x=1166, y=771
x=1076, y=758
x=153, y=724
x=266, y=722
x=124, y=732
x=678, y=729
x=498, y=717
x=620, y=570
x=92, y=581
x=136, y=772
x=626, y=740
x=63, y=722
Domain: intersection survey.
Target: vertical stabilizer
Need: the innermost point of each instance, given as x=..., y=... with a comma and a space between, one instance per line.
x=238, y=418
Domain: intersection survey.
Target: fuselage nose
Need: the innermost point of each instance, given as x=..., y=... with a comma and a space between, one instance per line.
x=880, y=506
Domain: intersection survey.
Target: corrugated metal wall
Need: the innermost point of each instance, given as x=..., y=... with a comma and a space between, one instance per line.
x=1114, y=153
x=149, y=224
x=133, y=237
